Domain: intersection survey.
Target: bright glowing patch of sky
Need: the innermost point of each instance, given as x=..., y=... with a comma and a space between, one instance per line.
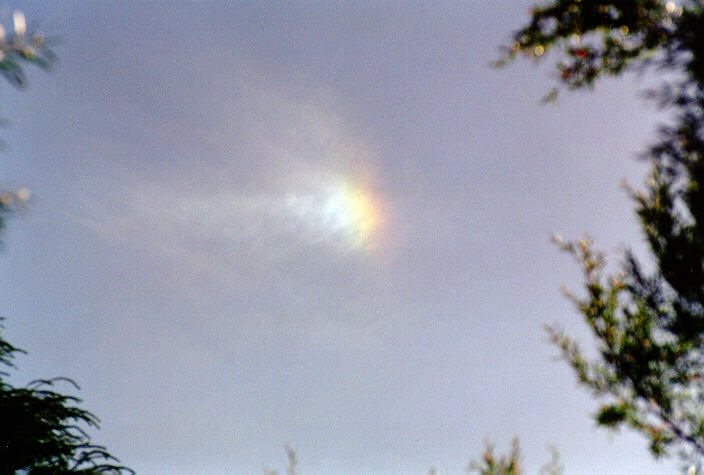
x=318, y=223
x=339, y=210
x=314, y=186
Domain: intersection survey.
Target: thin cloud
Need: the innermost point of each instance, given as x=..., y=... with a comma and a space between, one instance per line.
x=307, y=214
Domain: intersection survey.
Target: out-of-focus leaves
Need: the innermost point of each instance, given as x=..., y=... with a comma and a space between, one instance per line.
x=42, y=431
x=611, y=415
x=648, y=325
x=18, y=48
x=491, y=464
x=594, y=38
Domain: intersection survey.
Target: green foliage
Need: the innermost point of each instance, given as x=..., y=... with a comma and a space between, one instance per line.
x=597, y=38
x=510, y=464
x=18, y=47
x=649, y=326
x=491, y=464
x=42, y=430
x=612, y=414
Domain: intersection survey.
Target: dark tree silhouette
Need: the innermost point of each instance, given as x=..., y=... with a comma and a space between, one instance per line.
x=42, y=431
x=649, y=373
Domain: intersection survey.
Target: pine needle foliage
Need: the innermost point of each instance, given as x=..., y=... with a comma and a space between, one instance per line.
x=649, y=325
x=492, y=464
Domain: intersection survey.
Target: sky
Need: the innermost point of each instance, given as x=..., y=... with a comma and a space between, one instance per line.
x=323, y=225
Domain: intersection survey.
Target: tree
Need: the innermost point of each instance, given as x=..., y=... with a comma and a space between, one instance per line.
x=510, y=464
x=42, y=431
x=491, y=464
x=649, y=326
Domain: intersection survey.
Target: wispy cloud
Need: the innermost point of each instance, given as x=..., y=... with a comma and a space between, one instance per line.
x=292, y=207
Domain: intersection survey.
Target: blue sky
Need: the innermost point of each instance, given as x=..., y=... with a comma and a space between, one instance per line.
x=324, y=225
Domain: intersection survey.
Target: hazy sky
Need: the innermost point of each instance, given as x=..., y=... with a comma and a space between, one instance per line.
x=310, y=223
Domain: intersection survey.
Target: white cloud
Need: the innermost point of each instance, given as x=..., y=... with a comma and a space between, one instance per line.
x=265, y=219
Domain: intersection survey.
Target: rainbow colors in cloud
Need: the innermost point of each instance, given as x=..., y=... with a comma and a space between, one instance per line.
x=339, y=210
x=355, y=211
x=311, y=185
